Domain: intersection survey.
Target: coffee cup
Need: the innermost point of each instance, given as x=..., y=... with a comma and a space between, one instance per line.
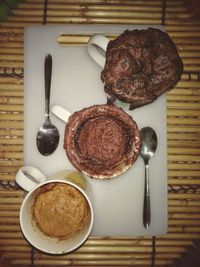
x=96, y=48
x=33, y=180
x=101, y=141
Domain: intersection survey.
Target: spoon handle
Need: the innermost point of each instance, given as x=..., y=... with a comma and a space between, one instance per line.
x=146, y=206
x=47, y=80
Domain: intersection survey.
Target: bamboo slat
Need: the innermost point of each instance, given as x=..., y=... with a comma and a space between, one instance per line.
x=185, y=158
x=182, y=216
x=188, y=151
x=11, y=140
x=91, y=263
x=11, y=155
x=184, y=121
x=178, y=128
x=11, y=135
x=8, y=178
x=184, y=209
x=11, y=64
x=10, y=200
x=11, y=117
x=183, y=166
x=5, y=213
x=54, y=8
x=190, y=222
x=185, y=203
x=11, y=80
x=9, y=228
x=184, y=173
x=188, y=90
x=11, y=100
x=10, y=207
x=11, y=93
x=15, y=248
x=183, y=136
x=98, y=256
x=112, y=2
x=11, y=124
x=11, y=193
x=183, y=196
x=180, y=143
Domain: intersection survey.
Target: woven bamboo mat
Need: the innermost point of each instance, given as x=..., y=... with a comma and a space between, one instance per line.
x=183, y=112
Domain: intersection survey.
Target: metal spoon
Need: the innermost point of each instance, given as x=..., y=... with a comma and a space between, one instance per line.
x=148, y=148
x=48, y=135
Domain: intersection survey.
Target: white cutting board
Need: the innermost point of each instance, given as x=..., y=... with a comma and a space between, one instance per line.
x=118, y=203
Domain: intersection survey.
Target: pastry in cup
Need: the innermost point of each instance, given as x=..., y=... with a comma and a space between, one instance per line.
x=102, y=141
x=140, y=66
x=60, y=210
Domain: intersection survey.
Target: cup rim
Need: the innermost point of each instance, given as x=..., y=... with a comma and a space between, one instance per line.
x=38, y=246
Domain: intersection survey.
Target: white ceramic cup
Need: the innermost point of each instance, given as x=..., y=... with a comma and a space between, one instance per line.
x=30, y=179
x=96, y=48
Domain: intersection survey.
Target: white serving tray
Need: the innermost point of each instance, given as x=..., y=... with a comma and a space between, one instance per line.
x=118, y=203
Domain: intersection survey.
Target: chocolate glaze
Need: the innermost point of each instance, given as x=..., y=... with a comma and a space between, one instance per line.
x=140, y=66
x=102, y=141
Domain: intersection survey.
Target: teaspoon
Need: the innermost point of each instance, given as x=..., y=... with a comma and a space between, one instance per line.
x=148, y=148
x=48, y=135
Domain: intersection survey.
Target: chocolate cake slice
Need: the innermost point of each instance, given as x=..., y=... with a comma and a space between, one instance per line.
x=140, y=66
x=101, y=141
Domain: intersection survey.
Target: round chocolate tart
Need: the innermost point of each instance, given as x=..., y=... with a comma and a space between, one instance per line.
x=101, y=141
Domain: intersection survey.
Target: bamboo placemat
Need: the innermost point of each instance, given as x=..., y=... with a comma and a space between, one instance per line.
x=183, y=133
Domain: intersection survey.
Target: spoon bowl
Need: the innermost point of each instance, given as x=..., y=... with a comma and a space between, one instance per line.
x=48, y=136
x=148, y=148
x=148, y=143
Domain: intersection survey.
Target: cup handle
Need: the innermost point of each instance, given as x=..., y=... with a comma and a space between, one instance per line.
x=29, y=177
x=60, y=112
x=96, y=44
